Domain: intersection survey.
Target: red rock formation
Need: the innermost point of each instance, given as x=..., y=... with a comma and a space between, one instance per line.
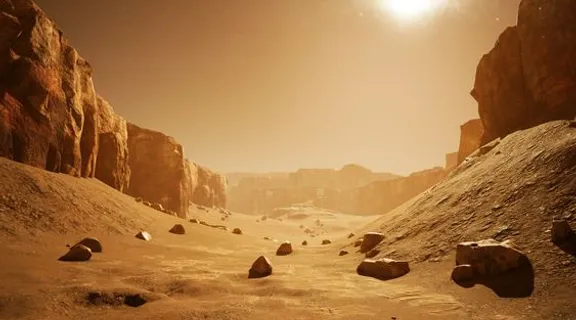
x=159, y=172
x=49, y=110
x=112, y=165
x=383, y=196
x=471, y=135
x=451, y=160
x=210, y=188
x=529, y=77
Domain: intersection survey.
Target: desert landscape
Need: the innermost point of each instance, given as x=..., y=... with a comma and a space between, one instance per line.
x=101, y=218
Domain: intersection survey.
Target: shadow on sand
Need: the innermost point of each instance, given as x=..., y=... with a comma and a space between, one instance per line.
x=516, y=283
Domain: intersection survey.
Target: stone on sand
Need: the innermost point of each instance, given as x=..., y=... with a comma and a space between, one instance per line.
x=383, y=269
x=77, y=253
x=370, y=241
x=351, y=235
x=304, y=243
x=92, y=243
x=178, y=229
x=284, y=249
x=490, y=257
x=343, y=253
x=237, y=231
x=358, y=243
x=143, y=235
x=194, y=220
x=262, y=267
x=326, y=241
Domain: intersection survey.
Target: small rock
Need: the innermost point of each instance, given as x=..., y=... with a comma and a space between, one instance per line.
x=77, y=253
x=138, y=199
x=194, y=220
x=351, y=235
x=143, y=235
x=371, y=240
x=284, y=249
x=326, y=241
x=260, y=268
x=178, y=229
x=343, y=253
x=158, y=206
x=383, y=269
x=304, y=243
x=92, y=243
x=147, y=203
x=358, y=243
x=237, y=231
x=463, y=272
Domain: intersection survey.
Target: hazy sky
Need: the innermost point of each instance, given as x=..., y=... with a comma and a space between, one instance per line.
x=270, y=85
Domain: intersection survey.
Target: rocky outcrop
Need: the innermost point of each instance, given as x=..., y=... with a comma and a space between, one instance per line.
x=112, y=165
x=209, y=188
x=529, y=77
x=383, y=269
x=159, y=172
x=471, y=138
x=451, y=160
x=48, y=108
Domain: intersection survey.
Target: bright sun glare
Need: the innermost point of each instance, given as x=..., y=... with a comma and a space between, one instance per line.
x=410, y=9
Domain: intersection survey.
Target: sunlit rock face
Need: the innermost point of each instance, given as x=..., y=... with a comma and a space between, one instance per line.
x=159, y=171
x=209, y=187
x=112, y=165
x=471, y=135
x=529, y=77
x=48, y=107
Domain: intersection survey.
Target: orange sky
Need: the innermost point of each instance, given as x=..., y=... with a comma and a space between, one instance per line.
x=276, y=85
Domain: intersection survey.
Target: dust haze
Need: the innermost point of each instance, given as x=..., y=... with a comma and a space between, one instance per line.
x=364, y=159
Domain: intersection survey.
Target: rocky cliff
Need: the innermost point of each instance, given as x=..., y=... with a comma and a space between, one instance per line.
x=471, y=135
x=529, y=77
x=52, y=118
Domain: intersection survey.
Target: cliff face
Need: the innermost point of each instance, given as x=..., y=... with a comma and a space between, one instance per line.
x=48, y=107
x=209, y=188
x=471, y=135
x=529, y=77
x=52, y=118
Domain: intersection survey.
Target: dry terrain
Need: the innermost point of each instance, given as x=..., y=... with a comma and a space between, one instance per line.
x=511, y=192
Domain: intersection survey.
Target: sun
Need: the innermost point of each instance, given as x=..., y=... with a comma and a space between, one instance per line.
x=410, y=9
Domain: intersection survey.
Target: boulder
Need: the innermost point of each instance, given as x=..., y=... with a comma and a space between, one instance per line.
x=77, y=253
x=370, y=241
x=461, y=273
x=304, y=243
x=326, y=241
x=260, y=268
x=159, y=171
x=237, y=231
x=284, y=249
x=561, y=231
x=48, y=108
x=92, y=243
x=351, y=235
x=178, y=229
x=194, y=220
x=490, y=257
x=143, y=235
x=343, y=253
x=383, y=269
x=112, y=165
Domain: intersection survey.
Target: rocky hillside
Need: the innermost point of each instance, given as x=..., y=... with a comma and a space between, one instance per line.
x=52, y=118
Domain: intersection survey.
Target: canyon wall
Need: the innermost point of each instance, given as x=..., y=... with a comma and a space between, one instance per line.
x=529, y=77
x=471, y=135
x=52, y=118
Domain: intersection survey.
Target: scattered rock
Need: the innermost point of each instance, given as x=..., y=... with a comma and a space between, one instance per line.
x=351, y=235
x=147, y=203
x=326, y=241
x=490, y=257
x=92, y=243
x=158, y=206
x=371, y=240
x=284, y=249
x=237, y=231
x=343, y=253
x=143, y=235
x=77, y=253
x=358, y=243
x=463, y=272
x=260, y=268
x=194, y=220
x=304, y=243
x=383, y=269
x=178, y=229
x=561, y=231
